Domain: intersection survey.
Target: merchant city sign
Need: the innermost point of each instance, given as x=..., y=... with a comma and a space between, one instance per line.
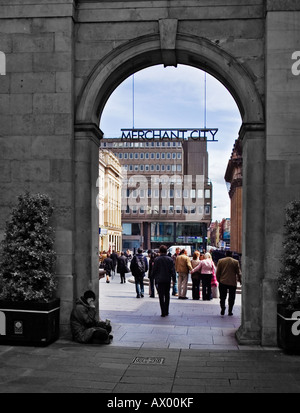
x=179, y=133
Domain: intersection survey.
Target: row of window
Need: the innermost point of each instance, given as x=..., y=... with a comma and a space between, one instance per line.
x=124, y=144
x=148, y=155
x=166, y=193
x=170, y=209
x=153, y=168
x=164, y=180
x=186, y=229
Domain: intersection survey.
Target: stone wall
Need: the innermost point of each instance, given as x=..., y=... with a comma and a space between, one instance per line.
x=65, y=57
x=37, y=118
x=282, y=141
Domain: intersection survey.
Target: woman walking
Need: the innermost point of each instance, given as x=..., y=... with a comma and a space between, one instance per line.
x=196, y=277
x=207, y=268
x=122, y=266
x=152, y=256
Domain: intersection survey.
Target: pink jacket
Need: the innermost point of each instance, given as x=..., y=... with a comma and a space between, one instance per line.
x=206, y=266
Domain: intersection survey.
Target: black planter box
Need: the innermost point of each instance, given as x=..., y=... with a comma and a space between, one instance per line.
x=287, y=328
x=29, y=323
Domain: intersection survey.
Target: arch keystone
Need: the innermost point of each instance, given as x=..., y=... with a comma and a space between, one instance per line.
x=168, y=34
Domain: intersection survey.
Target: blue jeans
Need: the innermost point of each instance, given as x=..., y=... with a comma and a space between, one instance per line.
x=139, y=285
x=175, y=286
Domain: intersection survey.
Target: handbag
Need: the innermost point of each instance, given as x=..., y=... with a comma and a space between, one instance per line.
x=215, y=292
x=127, y=269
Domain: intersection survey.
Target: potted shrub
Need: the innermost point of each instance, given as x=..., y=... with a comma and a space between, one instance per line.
x=288, y=315
x=29, y=311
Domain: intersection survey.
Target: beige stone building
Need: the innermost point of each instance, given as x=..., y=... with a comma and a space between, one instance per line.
x=109, y=200
x=166, y=196
x=234, y=177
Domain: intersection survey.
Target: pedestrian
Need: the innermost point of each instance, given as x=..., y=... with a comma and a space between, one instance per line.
x=85, y=324
x=196, y=276
x=228, y=274
x=103, y=255
x=114, y=257
x=163, y=272
x=175, y=284
x=183, y=266
x=122, y=267
x=108, y=266
x=214, y=285
x=152, y=255
x=206, y=267
x=128, y=255
x=139, y=266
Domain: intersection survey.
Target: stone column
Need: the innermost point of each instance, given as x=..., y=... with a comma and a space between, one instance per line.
x=87, y=142
x=282, y=144
x=253, y=237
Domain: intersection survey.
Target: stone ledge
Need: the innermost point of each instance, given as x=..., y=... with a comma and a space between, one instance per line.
x=19, y=10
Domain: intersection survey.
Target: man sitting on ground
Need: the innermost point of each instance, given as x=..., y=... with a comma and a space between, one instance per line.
x=85, y=326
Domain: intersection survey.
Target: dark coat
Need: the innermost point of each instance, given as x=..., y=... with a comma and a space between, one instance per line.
x=133, y=265
x=108, y=265
x=114, y=257
x=151, y=263
x=163, y=269
x=83, y=321
x=122, y=264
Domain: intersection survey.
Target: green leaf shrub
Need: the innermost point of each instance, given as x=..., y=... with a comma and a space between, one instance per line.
x=289, y=279
x=27, y=258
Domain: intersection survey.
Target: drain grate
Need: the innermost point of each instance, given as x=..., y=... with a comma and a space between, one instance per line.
x=149, y=360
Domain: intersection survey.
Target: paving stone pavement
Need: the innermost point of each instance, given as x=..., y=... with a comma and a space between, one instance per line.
x=190, y=325
x=191, y=352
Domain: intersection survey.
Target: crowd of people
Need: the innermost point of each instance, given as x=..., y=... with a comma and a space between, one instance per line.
x=218, y=275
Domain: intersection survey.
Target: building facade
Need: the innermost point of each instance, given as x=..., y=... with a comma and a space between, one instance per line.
x=166, y=195
x=109, y=200
x=234, y=178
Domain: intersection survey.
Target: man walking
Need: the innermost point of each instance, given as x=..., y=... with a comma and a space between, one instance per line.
x=114, y=257
x=228, y=273
x=163, y=272
x=183, y=266
x=139, y=266
x=175, y=284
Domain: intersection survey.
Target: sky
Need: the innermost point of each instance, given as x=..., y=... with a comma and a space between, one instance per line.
x=159, y=97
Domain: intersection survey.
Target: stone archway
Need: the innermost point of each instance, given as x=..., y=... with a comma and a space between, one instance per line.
x=76, y=52
x=146, y=51
x=190, y=50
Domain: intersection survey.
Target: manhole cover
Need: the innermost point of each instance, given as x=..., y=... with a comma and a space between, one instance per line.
x=149, y=360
